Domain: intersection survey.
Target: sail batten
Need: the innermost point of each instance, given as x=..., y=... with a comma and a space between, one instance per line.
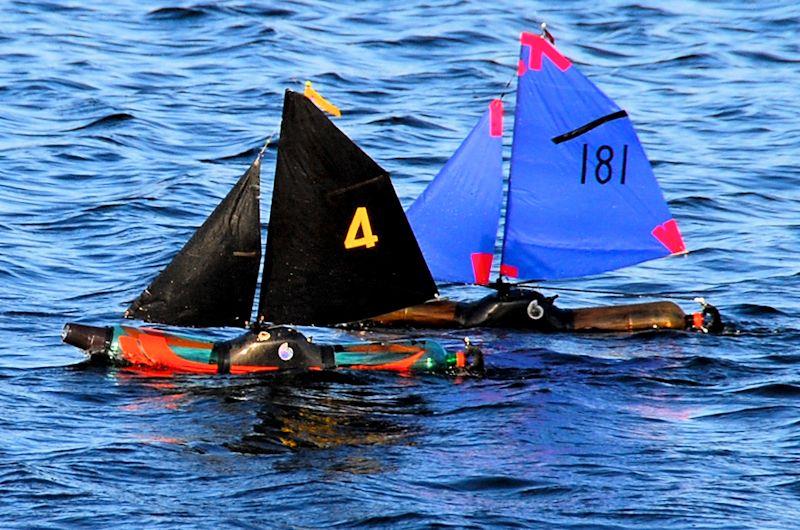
x=583, y=129
x=582, y=196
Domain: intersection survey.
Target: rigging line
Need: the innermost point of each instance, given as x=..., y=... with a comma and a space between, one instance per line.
x=266, y=145
x=545, y=34
x=530, y=284
x=505, y=88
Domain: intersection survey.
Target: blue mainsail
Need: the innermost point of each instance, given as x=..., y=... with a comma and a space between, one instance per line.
x=456, y=217
x=582, y=196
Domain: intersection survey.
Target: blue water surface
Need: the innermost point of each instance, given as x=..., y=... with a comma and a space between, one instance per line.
x=122, y=124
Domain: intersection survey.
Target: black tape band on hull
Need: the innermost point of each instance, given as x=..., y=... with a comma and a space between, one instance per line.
x=328, y=357
x=223, y=359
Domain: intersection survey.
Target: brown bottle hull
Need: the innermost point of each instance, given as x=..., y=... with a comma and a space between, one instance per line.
x=629, y=317
x=530, y=310
x=434, y=314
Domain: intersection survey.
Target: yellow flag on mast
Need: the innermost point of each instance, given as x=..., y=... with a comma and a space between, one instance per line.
x=320, y=101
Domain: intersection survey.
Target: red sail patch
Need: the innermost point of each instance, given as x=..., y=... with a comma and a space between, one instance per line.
x=481, y=267
x=509, y=270
x=670, y=236
x=496, y=118
x=540, y=47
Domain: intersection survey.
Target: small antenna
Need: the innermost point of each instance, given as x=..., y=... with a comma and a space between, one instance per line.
x=546, y=34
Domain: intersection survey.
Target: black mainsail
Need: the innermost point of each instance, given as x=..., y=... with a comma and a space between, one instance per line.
x=212, y=280
x=339, y=247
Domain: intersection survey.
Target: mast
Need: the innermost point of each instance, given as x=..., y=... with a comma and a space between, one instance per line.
x=522, y=68
x=506, y=270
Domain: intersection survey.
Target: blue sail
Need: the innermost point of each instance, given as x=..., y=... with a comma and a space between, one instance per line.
x=456, y=217
x=582, y=197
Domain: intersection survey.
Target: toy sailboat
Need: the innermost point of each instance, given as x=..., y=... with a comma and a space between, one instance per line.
x=582, y=199
x=339, y=248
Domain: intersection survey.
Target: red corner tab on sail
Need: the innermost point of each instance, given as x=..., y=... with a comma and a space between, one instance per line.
x=496, y=118
x=509, y=271
x=540, y=47
x=670, y=236
x=481, y=267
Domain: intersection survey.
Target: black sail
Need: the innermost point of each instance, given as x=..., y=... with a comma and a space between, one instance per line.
x=328, y=196
x=212, y=280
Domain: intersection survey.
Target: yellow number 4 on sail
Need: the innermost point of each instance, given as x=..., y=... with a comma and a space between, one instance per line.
x=360, y=221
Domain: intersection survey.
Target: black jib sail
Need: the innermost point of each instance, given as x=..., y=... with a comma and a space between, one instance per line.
x=339, y=247
x=212, y=280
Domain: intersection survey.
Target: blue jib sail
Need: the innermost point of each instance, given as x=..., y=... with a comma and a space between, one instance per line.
x=582, y=198
x=456, y=217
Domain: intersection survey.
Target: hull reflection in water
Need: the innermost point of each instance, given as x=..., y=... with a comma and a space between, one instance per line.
x=263, y=349
x=328, y=410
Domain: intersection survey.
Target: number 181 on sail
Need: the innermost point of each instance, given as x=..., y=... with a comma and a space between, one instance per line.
x=603, y=164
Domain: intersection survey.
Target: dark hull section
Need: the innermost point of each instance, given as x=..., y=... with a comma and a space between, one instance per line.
x=530, y=310
x=266, y=349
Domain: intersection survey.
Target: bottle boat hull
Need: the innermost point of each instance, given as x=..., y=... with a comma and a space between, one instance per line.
x=265, y=349
x=530, y=310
